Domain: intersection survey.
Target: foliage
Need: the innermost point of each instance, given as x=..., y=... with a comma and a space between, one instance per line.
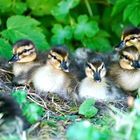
x=76, y=23
x=87, y=109
x=85, y=131
x=127, y=126
x=31, y=111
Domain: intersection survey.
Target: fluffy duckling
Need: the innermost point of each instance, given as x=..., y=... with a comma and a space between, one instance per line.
x=54, y=76
x=95, y=84
x=12, y=123
x=130, y=36
x=23, y=59
x=126, y=73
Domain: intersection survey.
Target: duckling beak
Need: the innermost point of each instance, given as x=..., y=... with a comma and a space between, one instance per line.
x=14, y=58
x=136, y=64
x=120, y=46
x=64, y=66
x=97, y=77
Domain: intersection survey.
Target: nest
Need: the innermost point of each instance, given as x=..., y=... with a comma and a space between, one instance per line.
x=59, y=113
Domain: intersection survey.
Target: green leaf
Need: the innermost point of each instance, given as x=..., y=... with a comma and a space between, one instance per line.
x=19, y=8
x=99, y=44
x=32, y=112
x=61, y=34
x=5, y=49
x=119, y=6
x=5, y=5
x=41, y=7
x=63, y=8
x=20, y=96
x=29, y=30
x=85, y=28
x=10, y=6
x=85, y=131
x=132, y=13
x=87, y=109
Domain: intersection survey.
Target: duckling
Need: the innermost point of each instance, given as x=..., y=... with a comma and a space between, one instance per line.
x=126, y=72
x=96, y=85
x=54, y=76
x=23, y=59
x=12, y=123
x=130, y=36
x=81, y=56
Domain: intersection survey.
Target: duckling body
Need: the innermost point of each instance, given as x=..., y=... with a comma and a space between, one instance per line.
x=126, y=72
x=48, y=79
x=96, y=85
x=54, y=76
x=128, y=80
x=24, y=59
x=91, y=89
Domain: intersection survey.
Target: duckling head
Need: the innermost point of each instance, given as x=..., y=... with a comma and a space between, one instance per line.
x=129, y=58
x=58, y=58
x=95, y=69
x=23, y=51
x=130, y=36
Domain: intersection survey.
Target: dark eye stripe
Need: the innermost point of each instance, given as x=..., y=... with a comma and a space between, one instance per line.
x=55, y=58
x=126, y=57
x=25, y=50
x=89, y=66
x=132, y=38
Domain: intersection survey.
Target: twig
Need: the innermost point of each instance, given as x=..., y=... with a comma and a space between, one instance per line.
x=3, y=70
x=35, y=101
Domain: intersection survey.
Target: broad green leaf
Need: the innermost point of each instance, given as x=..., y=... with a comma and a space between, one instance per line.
x=15, y=22
x=32, y=111
x=80, y=131
x=29, y=30
x=61, y=34
x=132, y=13
x=87, y=109
x=41, y=7
x=19, y=8
x=10, y=6
x=99, y=44
x=20, y=96
x=85, y=131
x=119, y=6
x=72, y=3
x=63, y=8
x=5, y=5
x=5, y=49
x=85, y=28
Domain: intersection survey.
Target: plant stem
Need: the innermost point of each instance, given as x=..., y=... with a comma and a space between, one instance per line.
x=89, y=8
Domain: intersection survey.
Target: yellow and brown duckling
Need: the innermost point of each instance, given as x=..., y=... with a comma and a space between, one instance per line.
x=23, y=59
x=130, y=36
x=96, y=85
x=126, y=72
x=54, y=76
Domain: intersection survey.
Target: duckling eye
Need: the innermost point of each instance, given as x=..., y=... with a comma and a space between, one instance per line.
x=132, y=38
x=89, y=66
x=54, y=57
x=126, y=57
x=102, y=67
x=25, y=50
